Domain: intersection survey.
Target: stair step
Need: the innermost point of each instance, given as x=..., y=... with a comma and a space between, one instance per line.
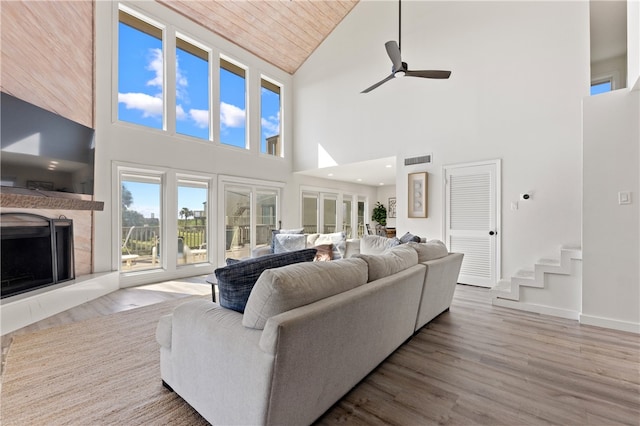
x=525, y=274
x=549, y=262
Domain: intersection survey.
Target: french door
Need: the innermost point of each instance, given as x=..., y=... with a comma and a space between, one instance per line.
x=472, y=222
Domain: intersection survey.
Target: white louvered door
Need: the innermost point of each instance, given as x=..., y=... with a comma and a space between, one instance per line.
x=471, y=204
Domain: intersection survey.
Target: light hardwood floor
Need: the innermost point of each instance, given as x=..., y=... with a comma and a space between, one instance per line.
x=476, y=364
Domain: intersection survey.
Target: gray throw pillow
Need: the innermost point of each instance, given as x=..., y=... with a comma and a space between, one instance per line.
x=409, y=237
x=274, y=232
x=236, y=281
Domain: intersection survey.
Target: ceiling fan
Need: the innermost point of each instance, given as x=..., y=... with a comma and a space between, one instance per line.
x=400, y=68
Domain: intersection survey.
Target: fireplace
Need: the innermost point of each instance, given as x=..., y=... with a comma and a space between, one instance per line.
x=36, y=252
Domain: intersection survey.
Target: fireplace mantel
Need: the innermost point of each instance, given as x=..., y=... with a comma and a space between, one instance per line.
x=37, y=199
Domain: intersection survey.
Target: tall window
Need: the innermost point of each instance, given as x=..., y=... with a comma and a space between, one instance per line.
x=233, y=104
x=192, y=90
x=140, y=210
x=347, y=210
x=270, y=105
x=330, y=214
x=192, y=221
x=237, y=206
x=361, y=216
x=266, y=211
x=140, y=72
x=310, y=213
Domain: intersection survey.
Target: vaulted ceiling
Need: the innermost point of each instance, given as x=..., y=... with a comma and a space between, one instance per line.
x=282, y=32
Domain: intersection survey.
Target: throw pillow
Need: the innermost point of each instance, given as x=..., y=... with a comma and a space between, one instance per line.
x=281, y=289
x=409, y=237
x=375, y=244
x=338, y=239
x=325, y=253
x=236, y=281
x=274, y=232
x=289, y=242
x=433, y=249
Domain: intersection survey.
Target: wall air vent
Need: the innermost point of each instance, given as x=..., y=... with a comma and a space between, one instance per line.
x=417, y=160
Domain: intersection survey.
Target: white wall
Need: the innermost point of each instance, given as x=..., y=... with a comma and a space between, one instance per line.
x=611, y=254
x=520, y=71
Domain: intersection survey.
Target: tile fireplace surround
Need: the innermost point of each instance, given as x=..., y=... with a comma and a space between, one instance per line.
x=21, y=310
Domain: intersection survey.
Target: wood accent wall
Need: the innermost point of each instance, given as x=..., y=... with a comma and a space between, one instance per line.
x=47, y=55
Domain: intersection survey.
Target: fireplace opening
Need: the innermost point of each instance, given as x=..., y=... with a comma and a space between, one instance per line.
x=36, y=252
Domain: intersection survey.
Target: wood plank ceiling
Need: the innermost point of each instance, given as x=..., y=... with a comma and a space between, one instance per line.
x=282, y=32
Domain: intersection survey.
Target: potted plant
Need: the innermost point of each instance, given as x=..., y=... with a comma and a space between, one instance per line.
x=380, y=214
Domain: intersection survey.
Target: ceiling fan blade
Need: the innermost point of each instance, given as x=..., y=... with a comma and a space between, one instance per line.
x=394, y=54
x=428, y=74
x=381, y=82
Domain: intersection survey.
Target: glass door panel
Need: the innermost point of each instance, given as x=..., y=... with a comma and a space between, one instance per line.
x=140, y=210
x=237, y=222
x=192, y=222
x=266, y=210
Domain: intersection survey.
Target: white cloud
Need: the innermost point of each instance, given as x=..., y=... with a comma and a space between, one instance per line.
x=181, y=83
x=200, y=116
x=271, y=126
x=156, y=66
x=151, y=106
x=180, y=114
x=231, y=115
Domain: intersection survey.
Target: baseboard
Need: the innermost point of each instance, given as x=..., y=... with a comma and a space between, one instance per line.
x=27, y=310
x=631, y=327
x=538, y=309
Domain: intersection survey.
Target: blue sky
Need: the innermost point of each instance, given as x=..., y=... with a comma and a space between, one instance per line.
x=140, y=101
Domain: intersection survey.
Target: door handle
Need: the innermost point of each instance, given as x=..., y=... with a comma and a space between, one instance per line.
x=493, y=232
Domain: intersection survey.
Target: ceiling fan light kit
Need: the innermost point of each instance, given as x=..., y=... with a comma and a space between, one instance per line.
x=399, y=68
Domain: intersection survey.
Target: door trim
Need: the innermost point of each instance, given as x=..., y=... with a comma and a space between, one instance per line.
x=498, y=165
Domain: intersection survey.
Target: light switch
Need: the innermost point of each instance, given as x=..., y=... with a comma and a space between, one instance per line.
x=514, y=205
x=624, y=197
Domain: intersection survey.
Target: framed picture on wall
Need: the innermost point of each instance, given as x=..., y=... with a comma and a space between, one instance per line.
x=417, y=190
x=392, y=208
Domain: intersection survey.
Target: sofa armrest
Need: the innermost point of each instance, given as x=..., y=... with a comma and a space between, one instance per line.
x=439, y=285
x=217, y=365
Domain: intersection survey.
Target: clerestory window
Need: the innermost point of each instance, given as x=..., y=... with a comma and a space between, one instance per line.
x=140, y=71
x=233, y=104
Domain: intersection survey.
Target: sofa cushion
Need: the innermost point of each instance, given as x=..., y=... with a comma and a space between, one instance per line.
x=394, y=260
x=432, y=249
x=376, y=244
x=281, y=289
x=289, y=242
x=235, y=281
x=409, y=237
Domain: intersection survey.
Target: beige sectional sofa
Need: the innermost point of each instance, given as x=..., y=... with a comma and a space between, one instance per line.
x=309, y=333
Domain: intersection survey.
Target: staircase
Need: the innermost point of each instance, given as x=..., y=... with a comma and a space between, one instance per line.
x=552, y=287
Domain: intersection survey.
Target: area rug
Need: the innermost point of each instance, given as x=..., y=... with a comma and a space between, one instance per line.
x=103, y=371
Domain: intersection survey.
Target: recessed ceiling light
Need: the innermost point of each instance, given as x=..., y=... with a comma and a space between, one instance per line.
x=53, y=162
x=388, y=166
x=359, y=180
x=381, y=183
x=330, y=174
